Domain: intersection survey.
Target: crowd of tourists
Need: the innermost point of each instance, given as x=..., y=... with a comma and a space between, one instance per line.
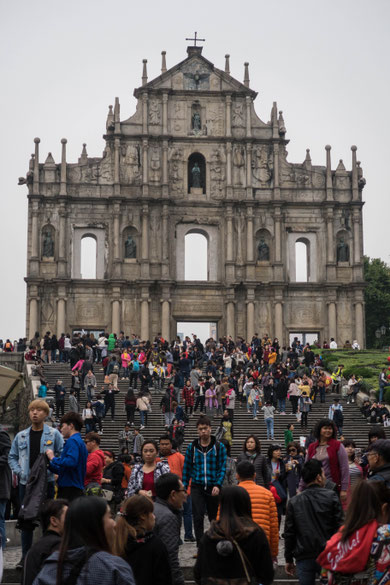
x=108, y=513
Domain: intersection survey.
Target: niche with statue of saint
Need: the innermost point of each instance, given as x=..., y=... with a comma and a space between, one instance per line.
x=196, y=174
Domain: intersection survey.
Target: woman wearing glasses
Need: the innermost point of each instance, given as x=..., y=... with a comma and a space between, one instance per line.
x=293, y=462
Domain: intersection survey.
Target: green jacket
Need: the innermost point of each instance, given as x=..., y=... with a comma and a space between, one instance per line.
x=111, y=342
x=288, y=437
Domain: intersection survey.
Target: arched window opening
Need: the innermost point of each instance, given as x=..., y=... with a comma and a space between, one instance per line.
x=196, y=173
x=88, y=257
x=195, y=257
x=302, y=261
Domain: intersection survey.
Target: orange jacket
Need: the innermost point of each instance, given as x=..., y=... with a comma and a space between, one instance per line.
x=176, y=463
x=264, y=512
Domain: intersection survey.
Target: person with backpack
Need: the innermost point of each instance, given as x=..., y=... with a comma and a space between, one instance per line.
x=109, y=400
x=130, y=403
x=134, y=368
x=113, y=371
x=100, y=410
x=8, y=347
x=205, y=467
x=336, y=414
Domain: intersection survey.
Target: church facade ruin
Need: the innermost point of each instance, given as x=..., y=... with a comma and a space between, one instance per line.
x=195, y=158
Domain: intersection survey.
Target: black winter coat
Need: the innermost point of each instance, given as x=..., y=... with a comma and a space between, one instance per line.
x=38, y=553
x=148, y=557
x=5, y=471
x=263, y=475
x=312, y=518
x=211, y=564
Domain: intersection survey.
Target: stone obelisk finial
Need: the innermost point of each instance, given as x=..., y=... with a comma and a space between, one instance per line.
x=227, y=64
x=144, y=72
x=163, y=62
x=246, y=74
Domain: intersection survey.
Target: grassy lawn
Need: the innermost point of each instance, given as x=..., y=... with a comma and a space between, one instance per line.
x=365, y=363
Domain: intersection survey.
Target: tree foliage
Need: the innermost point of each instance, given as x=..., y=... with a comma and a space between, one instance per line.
x=377, y=298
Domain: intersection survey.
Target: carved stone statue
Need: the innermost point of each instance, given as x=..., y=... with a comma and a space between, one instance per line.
x=130, y=248
x=48, y=245
x=263, y=250
x=196, y=123
x=195, y=173
x=154, y=113
x=239, y=165
x=342, y=251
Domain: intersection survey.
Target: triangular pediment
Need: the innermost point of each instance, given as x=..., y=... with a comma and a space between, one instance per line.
x=196, y=73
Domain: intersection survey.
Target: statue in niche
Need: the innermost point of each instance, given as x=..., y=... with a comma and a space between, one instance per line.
x=130, y=167
x=238, y=115
x=130, y=248
x=155, y=165
x=263, y=251
x=239, y=165
x=342, y=251
x=48, y=245
x=195, y=174
x=262, y=165
x=196, y=122
x=154, y=113
x=345, y=218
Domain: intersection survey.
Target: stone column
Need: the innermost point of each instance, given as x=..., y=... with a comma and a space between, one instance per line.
x=276, y=172
x=230, y=319
x=165, y=113
x=145, y=162
x=116, y=236
x=117, y=146
x=115, y=317
x=34, y=235
x=229, y=233
x=165, y=242
x=165, y=163
x=356, y=237
x=250, y=320
x=228, y=115
x=144, y=319
x=36, y=168
x=165, y=319
x=144, y=113
x=249, y=235
x=330, y=235
x=248, y=165
x=278, y=243
x=332, y=320
x=145, y=233
x=33, y=320
x=359, y=324
x=279, y=321
x=248, y=116
x=63, y=167
x=228, y=164
x=61, y=316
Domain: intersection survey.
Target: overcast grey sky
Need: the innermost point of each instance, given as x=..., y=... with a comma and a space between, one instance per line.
x=63, y=63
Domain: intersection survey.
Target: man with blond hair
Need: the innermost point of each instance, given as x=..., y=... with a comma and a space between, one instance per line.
x=25, y=448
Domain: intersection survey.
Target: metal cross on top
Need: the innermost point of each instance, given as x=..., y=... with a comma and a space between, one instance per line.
x=196, y=39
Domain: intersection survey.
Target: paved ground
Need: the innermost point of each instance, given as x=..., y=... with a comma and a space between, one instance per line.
x=187, y=551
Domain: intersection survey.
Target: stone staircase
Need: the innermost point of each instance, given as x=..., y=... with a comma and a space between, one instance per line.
x=355, y=426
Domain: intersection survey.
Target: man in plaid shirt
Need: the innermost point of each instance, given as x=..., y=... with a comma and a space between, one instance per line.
x=204, y=466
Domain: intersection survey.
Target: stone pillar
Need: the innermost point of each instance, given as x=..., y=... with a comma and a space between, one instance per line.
x=279, y=321
x=117, y=146
x=248, y=116
x=145, y=319
x=145, y=233
x=61, y=317
x=332, y=320
x=356, y=237
x=228, y=115
x=359, y=324
x=250, y=320
x=165, y=113
x=249, y=235
x=329, y=183
x=229, y=164
x=115, y=317
x=248, y=165
x=165, y=242
x=330, y=235
x=276, y=172
x=144, y=113
x=229, y=233
x=165, y=163
x=145, y=162
x=165, y=319
x=355, y=189
x=230, y=319
x=278, y=242
x=63, y=167
x=36, y=168
x=33, y=320
x=116, y=236
x=34, y=235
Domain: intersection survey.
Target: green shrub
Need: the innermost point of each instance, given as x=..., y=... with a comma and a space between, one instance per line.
x=386, y=396
x=359, y=371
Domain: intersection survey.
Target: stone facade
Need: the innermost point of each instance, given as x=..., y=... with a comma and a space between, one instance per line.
x=195, y=157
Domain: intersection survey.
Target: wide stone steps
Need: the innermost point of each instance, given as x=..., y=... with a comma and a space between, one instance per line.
x=355, y=426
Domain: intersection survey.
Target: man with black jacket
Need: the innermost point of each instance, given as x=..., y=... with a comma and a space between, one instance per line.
x=378, y=456
x=52, y=521
x=312, y=518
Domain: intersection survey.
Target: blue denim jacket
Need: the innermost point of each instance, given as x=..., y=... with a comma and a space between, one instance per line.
x=19, y=455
